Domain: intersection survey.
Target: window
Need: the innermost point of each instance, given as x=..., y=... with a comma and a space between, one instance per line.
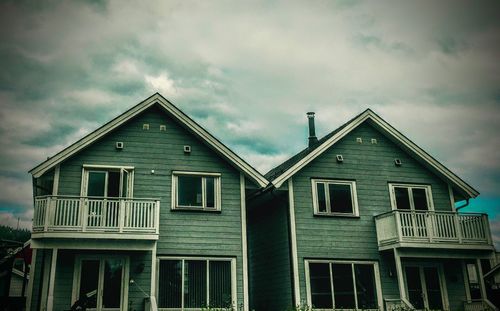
x=111, y=182
x=334, y=197
x=343, y=285
x=197, y=191
x=411, y=197
x=195, y=283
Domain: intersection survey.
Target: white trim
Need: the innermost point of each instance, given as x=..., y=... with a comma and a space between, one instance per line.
x=428, y=194
x=376, y=275
x=244, y=241
x=29, y=294
x=55, y=186
x=217, y=195
x=177, y=115
x=326, y=182
x=88, y=168
x=392, y=132
x=231, y=260
x=52, y=278
x=101, y=259
x=153, y=271
x=104, y=166
x=452, y=198
x=293, y=238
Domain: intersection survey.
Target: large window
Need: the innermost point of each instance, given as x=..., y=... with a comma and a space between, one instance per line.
x=195, y=283
x=199, y=191
x=334, y=197
x=411, y=197
x=343, y=285
x=103, y=181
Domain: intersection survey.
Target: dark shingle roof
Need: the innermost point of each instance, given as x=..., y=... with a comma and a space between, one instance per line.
x=280, y=169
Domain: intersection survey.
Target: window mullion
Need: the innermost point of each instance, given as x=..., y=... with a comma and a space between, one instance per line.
x=410, y=197
x=182, y=284
x=327, y=197
x=331, y=284
x=354, y=286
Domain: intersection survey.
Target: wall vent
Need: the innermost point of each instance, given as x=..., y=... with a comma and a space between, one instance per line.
x=398, y=162
x=119, y=145
x=340, y=158
x=145, y=126
x=359, y=140
x=374, y=141
x=187, y=149
x=163, y=128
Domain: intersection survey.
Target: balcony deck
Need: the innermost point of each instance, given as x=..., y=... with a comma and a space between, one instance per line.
x=96, y=218
x=433, y=229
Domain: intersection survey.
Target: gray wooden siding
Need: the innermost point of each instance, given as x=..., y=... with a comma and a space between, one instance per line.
x=182, y=233
x=269, y=256
x=372, y=167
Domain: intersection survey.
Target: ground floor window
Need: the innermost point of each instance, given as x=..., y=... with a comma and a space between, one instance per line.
x=343, y=285
x=195, y=283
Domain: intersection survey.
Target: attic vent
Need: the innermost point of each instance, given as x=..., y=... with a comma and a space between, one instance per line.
x=163, y=128
x=145, y=126
x=340, y=158
x=119, y=145
x=374, y=141
x=187, y=149
x=398, y=162
x=359, y=140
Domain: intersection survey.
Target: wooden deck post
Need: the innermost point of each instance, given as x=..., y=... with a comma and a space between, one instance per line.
x=399, y=271
x=52, y=278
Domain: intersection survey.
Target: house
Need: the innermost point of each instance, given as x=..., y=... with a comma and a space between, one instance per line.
x=363, y=218
x=14, y=274
x=146, y=212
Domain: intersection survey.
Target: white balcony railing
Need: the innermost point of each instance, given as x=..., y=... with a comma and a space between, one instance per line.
x=434, y=227
x=93, y=214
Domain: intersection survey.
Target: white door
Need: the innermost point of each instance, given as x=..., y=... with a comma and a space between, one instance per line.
x=103, y=281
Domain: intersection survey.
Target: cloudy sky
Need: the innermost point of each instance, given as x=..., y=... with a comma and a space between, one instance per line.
x=248, y=72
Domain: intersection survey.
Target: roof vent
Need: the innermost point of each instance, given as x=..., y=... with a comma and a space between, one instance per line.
x=398, y=162
x=312, y=131
x=187, y=149
x=119, y=145
x=340, y=158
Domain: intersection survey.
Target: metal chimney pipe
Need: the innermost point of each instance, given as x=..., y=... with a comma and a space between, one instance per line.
x=312, y=131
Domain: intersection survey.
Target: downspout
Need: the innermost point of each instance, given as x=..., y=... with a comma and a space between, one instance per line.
x=465, y=205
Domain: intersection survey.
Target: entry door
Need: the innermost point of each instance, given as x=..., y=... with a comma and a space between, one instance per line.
x=424, y=287
x=103, y=283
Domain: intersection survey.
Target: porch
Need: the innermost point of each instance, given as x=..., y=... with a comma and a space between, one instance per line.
x=433, y=229
x=96, y=218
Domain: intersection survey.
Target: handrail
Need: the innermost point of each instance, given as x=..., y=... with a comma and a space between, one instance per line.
x=436, y=212
x=93, y=197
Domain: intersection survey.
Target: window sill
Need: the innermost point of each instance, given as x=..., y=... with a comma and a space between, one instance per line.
x=195, y=209
x=338, y=215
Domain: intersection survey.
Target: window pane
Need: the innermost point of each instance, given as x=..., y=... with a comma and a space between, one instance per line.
x=88, y=282
x=195, y=283
x=113, y=184
x=365, y=287
x=320, y=190
x=340, y=198
x=112, y=283
x=210, y=188
x=220, y=284
x=189, y=190
x=433, y=288
x=414, y=285
x=321, y=290
x=420, y=199
x=170, y=288
x=96, y=183
x=402, y=198
x=343, y=286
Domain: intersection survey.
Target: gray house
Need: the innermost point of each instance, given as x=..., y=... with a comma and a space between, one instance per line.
x=146, y=212
x=363, y=218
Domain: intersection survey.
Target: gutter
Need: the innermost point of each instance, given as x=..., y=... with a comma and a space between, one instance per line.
x=465, y=205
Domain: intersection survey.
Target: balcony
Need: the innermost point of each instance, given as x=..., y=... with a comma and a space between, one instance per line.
x=96, y=218
x=432, y=229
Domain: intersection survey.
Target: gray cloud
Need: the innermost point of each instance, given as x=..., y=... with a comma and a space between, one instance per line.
x=248, y=72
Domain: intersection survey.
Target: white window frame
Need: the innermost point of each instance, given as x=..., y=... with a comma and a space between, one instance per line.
x=77, y=278
x=202, y=175
x=376, y=272
x=428, y=194
x=326, y=182
x=87, y=168
x=208, y=260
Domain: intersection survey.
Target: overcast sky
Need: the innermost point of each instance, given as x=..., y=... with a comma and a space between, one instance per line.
x=248, y=72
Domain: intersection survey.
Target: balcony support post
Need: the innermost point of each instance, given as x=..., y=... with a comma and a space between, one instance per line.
x=47, y=213
x=458, y=228
x=399, y=272
x=481, y=279
x=487, y=231
x=398, y=225
x=121, y=215
x=157, y=218
x=430, y=219
x=52, y=278
x=85, y=213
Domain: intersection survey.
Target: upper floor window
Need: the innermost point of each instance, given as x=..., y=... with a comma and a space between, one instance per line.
x=193, y=190
x=334, y=197
x=103, y=181
x=411, y=197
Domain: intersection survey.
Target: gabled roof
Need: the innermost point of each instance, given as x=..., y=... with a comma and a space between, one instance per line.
x=173, y=111
x=287, y=169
